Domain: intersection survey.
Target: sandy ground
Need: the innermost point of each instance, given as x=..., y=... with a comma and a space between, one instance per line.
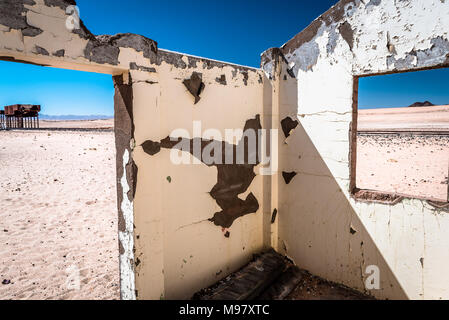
x=315, y=288
x=83, y=124
x=420, y=118
x=414, y=165
x=58, y=217
x=410, y=164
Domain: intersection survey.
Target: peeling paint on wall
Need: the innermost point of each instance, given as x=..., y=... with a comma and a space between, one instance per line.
x=126, y=238
x=353, y=39
x=232, y=179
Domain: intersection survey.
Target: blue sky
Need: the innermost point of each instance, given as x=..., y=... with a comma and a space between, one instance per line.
x=403, y=89
x=236, y=31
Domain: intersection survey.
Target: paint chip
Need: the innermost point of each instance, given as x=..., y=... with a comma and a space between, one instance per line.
x=288, y=176
x=288, y=124
x=274, y=215
x=195, y=85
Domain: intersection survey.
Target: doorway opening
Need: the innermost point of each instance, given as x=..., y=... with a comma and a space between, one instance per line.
x=58, y=223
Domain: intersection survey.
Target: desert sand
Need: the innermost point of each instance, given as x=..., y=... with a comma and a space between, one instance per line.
x=58, y=217
x=409, y=163
x=79, y=124
x=434, y=118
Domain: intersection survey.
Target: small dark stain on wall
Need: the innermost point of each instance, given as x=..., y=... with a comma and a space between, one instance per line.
x=347, y=33
x=288, y=176
x=245, y=77
x=121, y=250
x=221, y=80
x=59, y=53
x=195, y=85
x=227, y=234
x=422, y=262
x=169, y=179
x=288, y=124
x=151, y=147
x=352, y=231
x=135, y=172
x=41, y=51
x=274, y=215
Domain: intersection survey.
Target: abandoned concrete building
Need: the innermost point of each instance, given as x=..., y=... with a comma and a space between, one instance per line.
x=184, y=227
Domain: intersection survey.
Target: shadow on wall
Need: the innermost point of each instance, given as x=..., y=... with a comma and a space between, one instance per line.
x=320, y=229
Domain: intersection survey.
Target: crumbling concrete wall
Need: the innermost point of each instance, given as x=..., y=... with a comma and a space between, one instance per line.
x=181, y=227
x=178, y=248
x=324, y=225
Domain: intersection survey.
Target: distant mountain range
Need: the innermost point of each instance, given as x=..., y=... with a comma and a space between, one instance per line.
x=421, y=104
x=74, y=117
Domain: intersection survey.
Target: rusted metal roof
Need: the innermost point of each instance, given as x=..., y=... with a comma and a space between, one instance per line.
x=22, y=110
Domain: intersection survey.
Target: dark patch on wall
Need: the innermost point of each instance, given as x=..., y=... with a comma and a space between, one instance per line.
x=288, y=176
x=347, y=33
x=134, y=177
x=59, y=53
x=288, y=124
x=12, y=13
x=105, y=48
x=274, y=215
x=140, y=43
x=171, y=58
x=275, y=56
x=151, y=147
x=124, y=129
x=373, y=3
x=232, y=179
x=100, y=52
x=135, y=66
x=41, y=51
x=245, y=77
x=221, y=80
x=352, y=231
x=227, y=234
x=195, y=85
x=31, y=32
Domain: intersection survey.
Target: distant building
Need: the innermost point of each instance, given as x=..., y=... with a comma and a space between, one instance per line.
x=20, y=116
